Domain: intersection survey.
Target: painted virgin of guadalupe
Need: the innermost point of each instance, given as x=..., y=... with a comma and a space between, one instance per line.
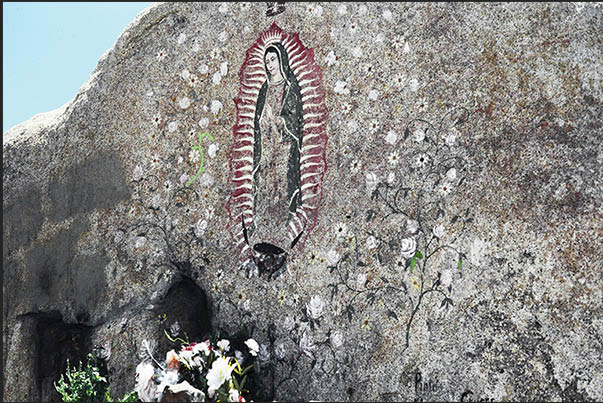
x=278, y=130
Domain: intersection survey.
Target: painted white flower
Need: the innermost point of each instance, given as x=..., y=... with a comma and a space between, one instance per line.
x=355, y=166
x=200, y=227
x=371, y=242
x=438, y=231
x=342, y=9
x=394, y=158
x=167, y=186
x=223, y=8
x=317, y=11
x=194, y=155
x=184, y=103
x=156, y=201
x=161, y=54
x=451, y=174
x=362, y=9
x=332, y=257
x=387, y=15
x=289, y=323
x=216, y=78
x=412, y=226
x=341, y=88
x=145, y=386
x=280, y=351
x=181, y=38
x=336, y=339
x=371, y=181
x=331, y=58
x=206, y=180
x=408, y=246
x=413, y=84
x=172, y=127
x=193, y=80
x=203, y=122
x=391, y=137
x=195, y=48
x=380, y=38
x=223, y=36
x=253, y=347
x=341, y=230
x=215, y=53
x=138, y=173
x=373, y=95
x=419, y=135
x=184, y=178
x=315, y=307
x=224, y=68
x=374, y=125
x=204, y=69
x=157, y=119
x=220, y=371
x=224, y=345
x=421, y=160
x=357, y=51
x=450, y=139
x=263, y=354
x=406, y=47
x=306, y=344
x=346, y=107
x=185, y=74
x=209, y=212
x=444, y=188
x=212, y=150
x=352, y=126
x=399, y=79
x=391, y=177
x=140, y=242
x=216, y=107
x=446, y=278
x=361, y=279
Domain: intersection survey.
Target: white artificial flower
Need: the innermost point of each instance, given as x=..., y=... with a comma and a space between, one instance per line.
x=212, y=150
x=371, y=181
x=408, y=246
x=216, y=107
x=145, y=386
x=438, y=231
x=341, y=87
x=446, y=278
x=204, y=69
x=138, y=173
x=203, y=122
x=253, y=346
x=194, y=155
x=181, y=38
x=217, y=77
x=361, y=279
x=223, y=68
x=185, y=74
x=315, y=307
x=393, y=158
x=371, y=242
x=168, y=377
x=172, y=127
x=233, y=395
x=196, y=394
x=224, y=345
x=336, y=339
x=419, y=135
x=332, y=257
x=184, y=103
x=201, y=348
x=451, y=174
x=200, y=228
x=391, y=137
x=373, y=95
x=220, y=371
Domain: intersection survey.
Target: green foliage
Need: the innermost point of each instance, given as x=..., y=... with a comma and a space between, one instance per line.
x=87, y=385
x=82, y=384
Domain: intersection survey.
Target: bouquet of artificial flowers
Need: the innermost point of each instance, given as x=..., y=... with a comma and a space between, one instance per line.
x=204, y=371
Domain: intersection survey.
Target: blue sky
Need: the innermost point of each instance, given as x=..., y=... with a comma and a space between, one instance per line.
x=50, y=49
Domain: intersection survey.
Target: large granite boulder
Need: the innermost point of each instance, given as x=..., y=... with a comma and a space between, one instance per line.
x=399, y=201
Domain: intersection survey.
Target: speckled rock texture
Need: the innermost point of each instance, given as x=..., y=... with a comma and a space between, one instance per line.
x=457, y=247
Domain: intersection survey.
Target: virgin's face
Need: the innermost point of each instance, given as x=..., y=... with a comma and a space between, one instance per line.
x=271, y=60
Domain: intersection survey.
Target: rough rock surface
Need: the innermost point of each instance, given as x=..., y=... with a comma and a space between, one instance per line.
x=469, y=132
